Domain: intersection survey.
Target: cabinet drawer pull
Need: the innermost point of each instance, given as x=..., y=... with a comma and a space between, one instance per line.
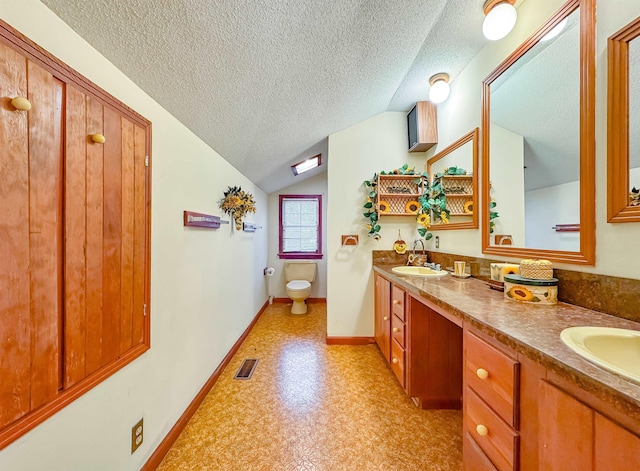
x=482, y=430
x=482, y=373
x=395, y=329
x=21, y=103
x=395, y=360
x=385, y=318
x=395, y=301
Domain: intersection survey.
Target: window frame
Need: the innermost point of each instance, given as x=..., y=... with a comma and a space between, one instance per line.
x=299, y=255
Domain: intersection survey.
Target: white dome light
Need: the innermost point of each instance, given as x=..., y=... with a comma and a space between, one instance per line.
x=439, y=90
x=499, y=20
x=557, y=29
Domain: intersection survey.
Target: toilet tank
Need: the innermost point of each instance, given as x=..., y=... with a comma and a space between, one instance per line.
x=300, y=271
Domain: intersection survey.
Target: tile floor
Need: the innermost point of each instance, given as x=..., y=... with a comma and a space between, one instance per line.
x=309, y=406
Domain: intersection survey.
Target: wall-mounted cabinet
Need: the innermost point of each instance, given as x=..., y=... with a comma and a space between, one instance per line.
x=74, y=225
x=422, y=123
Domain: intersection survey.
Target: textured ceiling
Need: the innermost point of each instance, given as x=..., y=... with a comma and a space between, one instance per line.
x=264, y=82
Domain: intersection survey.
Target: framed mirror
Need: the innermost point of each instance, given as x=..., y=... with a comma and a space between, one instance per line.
x=454, y=172
x=538, y=143
x=623, y=128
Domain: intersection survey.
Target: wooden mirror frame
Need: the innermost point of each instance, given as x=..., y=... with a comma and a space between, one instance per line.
x=472, y=137
x=586, y=254
x=618, y=208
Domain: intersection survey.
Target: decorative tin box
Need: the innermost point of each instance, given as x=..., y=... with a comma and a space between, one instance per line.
x=527, y=290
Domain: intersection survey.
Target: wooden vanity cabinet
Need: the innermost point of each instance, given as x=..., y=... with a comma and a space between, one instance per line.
x=574, y=435
x=491, y=401
x=423, y=348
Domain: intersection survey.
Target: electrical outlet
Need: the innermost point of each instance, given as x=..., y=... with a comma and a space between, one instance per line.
x=437, y=242
x=137, y=436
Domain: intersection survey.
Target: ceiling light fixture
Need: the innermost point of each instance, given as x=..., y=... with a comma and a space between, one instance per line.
x=440, y=89
x=306, y=165
x=500, y=18
x=557, y=29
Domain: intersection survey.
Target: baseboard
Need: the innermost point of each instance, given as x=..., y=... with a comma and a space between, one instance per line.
x=309, y=300
x=165, y=445
x=350, y=340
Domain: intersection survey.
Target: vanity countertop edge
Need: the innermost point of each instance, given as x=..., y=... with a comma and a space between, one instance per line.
x=528, y=329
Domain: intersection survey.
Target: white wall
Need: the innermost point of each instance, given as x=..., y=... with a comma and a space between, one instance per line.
x=316, y=185
x=507, y=179
x=546, y=207
x=378, y=143
x=206, y=285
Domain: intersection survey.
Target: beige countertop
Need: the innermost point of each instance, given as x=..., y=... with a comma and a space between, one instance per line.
x=529, y=329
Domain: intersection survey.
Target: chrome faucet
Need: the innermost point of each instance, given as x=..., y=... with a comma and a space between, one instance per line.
x=415, y=244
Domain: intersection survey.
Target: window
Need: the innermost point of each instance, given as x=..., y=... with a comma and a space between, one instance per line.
x=300, y=226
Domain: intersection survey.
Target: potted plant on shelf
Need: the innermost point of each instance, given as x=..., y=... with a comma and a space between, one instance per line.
x=237, y=203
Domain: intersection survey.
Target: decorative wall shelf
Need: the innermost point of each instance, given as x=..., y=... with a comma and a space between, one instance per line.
x=396, y=192
x=192, y=219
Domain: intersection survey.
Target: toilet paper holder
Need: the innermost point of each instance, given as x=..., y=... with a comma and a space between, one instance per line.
x=350, y=239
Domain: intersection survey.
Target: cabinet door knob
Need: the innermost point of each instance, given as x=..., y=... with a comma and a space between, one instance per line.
x=21, y=103
x=98, y=138
x=482, y=373
x=482, y=430
x=395, y=301
x=395, y=329
x=395, y=360
x=385, y=318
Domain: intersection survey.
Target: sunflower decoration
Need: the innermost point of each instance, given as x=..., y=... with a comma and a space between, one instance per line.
x=412, y=207
x=520, y=293
x=383, y=206
x=424, y=220
x=468, y=207
x=237, y=203
x=444, y=216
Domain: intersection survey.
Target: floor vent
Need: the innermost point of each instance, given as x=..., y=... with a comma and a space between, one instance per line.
x=246, y=369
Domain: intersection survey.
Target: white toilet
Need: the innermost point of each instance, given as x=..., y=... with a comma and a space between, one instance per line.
x=299, y=276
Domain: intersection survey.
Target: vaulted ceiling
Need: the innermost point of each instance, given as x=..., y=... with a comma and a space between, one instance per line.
x=264, y=82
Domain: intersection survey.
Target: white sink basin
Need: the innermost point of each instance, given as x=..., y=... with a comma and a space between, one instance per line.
x=418, y=271
x=616, y=350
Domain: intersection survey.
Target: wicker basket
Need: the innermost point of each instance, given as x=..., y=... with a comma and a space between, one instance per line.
x=536, y=269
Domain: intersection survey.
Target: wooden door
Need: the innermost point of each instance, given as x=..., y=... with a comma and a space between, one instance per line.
x=566, y=431
x=30, y=209
x=616, y=448
x=383, y=315
x=104, y=236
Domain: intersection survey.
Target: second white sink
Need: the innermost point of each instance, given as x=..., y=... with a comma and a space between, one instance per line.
x=616, y=350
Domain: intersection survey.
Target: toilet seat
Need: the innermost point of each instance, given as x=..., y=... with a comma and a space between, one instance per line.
x=298, y=285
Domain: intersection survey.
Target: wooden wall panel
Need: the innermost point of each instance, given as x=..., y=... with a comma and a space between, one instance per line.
x=95, y=187
x=140, y=236
x=112, y=246
x=126, y=295
x=75, y=237
x=14, y=250
x=45, y=162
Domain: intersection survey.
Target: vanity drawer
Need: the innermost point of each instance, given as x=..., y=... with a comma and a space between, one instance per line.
x=496, y=439
x=473, y=458
x=398, y=302
x=397, y=331
x=493, y=375
x=397, y=361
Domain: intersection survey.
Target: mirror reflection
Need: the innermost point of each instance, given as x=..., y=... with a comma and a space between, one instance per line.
x=634, y=122
x=453, y=174
x=535, y=144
